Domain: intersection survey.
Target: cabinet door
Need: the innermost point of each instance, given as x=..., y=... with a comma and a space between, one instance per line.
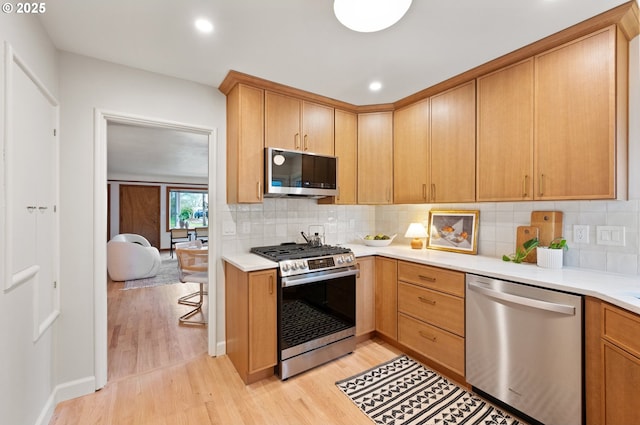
x=262, y=320
x=245, y=144
x=282, y=122
x=575, y=89
x=365, y=296
x=346, y=149
x=453, y=145
x=375, y=158
x=317, y=128
x=411, y=153
x=621, y=383
x=505, y=134
x=387, y=297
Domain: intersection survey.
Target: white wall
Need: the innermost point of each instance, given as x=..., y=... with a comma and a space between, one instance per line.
x=27, y=374
x=86, y=84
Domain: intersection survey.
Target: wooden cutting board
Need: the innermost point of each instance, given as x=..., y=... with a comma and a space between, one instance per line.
x=549, y=224
x=523, y=234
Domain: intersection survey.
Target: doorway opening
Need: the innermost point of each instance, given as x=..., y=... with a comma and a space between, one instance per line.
x=156, y=172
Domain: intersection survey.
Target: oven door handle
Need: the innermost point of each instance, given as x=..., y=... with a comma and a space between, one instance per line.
x=319, y=276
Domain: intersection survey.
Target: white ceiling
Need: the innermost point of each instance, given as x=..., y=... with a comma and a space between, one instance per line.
x=300, y=43
x=139, y=153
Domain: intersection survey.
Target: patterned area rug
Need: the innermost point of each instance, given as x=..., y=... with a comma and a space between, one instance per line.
x=403, y=392
x=168, y=274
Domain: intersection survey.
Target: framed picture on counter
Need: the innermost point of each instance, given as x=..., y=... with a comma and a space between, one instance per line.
x=455, y=231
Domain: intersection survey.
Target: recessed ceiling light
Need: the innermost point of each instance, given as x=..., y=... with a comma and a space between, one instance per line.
x=203, y=25
x=375, y=86
x=370, y=15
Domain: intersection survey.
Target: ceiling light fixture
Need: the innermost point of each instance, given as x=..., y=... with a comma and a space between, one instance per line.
x=375, y=86
x=369, y=15
x=204, y=25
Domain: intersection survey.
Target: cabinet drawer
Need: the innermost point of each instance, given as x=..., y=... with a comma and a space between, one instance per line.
x=622, y=328
x=442, y=310
x=443, y=280
x=438, y=345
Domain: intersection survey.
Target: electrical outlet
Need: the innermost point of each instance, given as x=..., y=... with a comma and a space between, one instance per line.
x=581, y=233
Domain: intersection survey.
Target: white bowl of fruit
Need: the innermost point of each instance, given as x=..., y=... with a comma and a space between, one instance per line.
x=378, y=240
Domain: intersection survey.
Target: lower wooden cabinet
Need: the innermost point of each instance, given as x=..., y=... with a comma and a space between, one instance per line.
x=251, y=322
x=612, y=364
x=431, y=314
x=387, y=297
x=366, y=297
x=435, y=343
x=421, y=308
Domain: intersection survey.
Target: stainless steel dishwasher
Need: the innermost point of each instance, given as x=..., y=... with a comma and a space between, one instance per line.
x=524, y=348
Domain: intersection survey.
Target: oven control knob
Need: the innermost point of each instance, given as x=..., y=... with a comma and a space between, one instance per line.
x=340, y=259
x=285, y=267
x=302, y=265
x=350, y=259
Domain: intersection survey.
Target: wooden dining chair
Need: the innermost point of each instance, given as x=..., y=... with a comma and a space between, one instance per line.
x=202, y=233
x=193, y=264
x=178, y=235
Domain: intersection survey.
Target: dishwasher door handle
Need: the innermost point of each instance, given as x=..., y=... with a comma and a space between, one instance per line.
x=529, y=302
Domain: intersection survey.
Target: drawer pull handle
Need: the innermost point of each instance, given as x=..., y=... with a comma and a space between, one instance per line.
x=428, y=278
x=427, y=300
x=427, y=336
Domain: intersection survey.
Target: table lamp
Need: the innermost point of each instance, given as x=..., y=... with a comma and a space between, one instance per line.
x=416, y=231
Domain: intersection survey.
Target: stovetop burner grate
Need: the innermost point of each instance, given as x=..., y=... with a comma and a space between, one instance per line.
x=297, y=251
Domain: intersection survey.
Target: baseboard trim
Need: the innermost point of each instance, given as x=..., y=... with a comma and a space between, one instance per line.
x=63, y=392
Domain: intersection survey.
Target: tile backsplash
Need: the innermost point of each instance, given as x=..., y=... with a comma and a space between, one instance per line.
x=282, y=219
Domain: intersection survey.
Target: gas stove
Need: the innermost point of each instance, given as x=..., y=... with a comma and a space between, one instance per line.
x=295, y=259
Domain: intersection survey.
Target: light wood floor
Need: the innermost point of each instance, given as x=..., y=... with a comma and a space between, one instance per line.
x=159, y=373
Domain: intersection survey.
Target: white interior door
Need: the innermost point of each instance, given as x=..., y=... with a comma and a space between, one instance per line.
x=32, y=191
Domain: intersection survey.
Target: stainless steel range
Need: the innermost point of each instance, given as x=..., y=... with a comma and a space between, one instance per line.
x=316, y=304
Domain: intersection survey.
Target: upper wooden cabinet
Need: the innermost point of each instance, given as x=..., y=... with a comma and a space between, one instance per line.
x=581, y=107
x=505, y=134
x=411, y=160
x=375, y=158
x=296, y=124
x=346, y=149
x=453, y=145
x=434, y=148
x=245, y=144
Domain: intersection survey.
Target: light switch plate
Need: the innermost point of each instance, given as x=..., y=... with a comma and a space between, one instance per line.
x=610, y=235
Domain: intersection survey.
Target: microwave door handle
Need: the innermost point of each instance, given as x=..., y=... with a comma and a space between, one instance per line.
x=529, y=302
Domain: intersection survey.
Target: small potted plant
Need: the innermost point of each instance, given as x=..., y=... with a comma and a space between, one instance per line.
x=521, y=253
x=551, y=256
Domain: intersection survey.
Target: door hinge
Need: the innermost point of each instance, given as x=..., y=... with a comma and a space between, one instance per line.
x=55, y=132
x=55, y=284
x=55, y=208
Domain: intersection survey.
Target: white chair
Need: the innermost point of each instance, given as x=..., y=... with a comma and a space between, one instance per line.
x=131, y=256
x=193, y=264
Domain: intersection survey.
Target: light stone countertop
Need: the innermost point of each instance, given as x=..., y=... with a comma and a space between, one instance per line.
x=618, y=289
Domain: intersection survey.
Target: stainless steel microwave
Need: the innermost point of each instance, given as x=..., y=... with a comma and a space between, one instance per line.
x=297, y=173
